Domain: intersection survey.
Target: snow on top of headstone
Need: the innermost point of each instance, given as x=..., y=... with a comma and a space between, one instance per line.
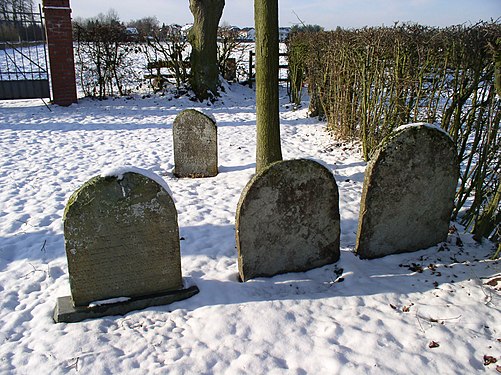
x=120, y=171
x=417, y=124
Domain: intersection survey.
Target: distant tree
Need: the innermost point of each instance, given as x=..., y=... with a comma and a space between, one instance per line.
x=111, y=17
x=306, y=29
x=146, y=26
x=228, y=44
x=103, y=56
x=268, y=149
x=166, y=48
x=17, y=7
x=203, y=40
x=17, y=21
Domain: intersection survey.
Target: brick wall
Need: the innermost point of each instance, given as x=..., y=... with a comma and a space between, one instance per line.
x=60, y=44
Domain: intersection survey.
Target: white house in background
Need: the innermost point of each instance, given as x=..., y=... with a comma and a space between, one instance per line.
x=186, y=29
x=283, y=33
x=251, y=34
x=171, y=31
x=247, y=34
x=131, y=34
x=132, y=31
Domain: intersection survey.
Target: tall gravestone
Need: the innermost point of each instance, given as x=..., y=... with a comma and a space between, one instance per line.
x=195, y=145
x=122, y=245
x=288, y=220
x=408, y=192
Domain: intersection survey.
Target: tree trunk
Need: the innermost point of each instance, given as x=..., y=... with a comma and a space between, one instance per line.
x=203, y=40
x=267, y=117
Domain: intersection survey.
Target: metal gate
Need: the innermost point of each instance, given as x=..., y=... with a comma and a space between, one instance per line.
x=23, y=56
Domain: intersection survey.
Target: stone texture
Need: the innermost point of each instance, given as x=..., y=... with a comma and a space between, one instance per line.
x=288, y=220
x=195, y=145
x=121, y=239
x=408, y=192
x=65, y=312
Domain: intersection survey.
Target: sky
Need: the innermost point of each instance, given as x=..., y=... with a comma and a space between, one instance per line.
x=327, y=13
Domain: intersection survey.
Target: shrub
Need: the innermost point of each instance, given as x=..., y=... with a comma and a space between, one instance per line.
x=369, y=81
x=103, y=57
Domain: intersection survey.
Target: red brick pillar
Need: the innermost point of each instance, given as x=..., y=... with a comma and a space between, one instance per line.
x=60, y=42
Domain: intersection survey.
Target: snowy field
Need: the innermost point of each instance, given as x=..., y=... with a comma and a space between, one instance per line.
x=436, y=311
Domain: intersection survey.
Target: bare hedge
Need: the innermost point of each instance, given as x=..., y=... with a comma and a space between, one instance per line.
x=366, y=82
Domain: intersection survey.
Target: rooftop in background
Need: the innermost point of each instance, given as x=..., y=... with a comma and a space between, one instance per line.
x=327, y=13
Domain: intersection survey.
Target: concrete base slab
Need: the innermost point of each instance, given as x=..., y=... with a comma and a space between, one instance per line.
x=65, y=312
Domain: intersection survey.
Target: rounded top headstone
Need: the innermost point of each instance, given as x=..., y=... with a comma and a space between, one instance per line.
x=408, y=192
x=121, y=239
x=195, y=145
x=288, y=220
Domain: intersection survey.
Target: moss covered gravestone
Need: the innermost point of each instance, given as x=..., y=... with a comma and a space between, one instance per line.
x=195, y=145
x=408, y=193
x=288, y=220
x=122, y=245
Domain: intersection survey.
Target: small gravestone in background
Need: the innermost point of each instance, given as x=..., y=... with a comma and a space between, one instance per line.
x=288, y=220
x=122, y=244
x=195, y=145
x=408, y=193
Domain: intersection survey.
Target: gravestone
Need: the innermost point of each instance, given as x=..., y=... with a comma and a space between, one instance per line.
x=288, y=220
x=408, y=192
x=195, y=145
x=122, y=245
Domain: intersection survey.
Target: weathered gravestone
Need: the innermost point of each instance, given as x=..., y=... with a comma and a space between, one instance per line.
x=195, y=145
x=122, y=245
x=408, y=192
x=288, y=220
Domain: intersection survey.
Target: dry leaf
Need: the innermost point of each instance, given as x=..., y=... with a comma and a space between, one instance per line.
x=414, y=267
x=493, y=282
x=406, y=309
x=488, y=359
x=433, y=344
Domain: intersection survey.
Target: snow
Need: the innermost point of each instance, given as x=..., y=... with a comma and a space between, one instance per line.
x=119, y=171
x=109, y=301
x=353, y=317
x=418, y=124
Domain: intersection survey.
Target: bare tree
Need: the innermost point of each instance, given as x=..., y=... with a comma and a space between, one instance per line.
x=13, y=17
x=147, y=26
x=16, y=6
x=203, y=40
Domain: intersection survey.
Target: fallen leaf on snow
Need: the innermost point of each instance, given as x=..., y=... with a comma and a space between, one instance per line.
x=488, y=359
x=494, y=281
x=433, y=344
x=414, y=267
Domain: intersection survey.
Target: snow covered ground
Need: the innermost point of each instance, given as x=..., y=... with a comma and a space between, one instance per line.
x=435, y=311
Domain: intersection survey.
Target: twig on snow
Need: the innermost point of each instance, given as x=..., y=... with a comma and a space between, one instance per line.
x=74, y=364
x=433, y=320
